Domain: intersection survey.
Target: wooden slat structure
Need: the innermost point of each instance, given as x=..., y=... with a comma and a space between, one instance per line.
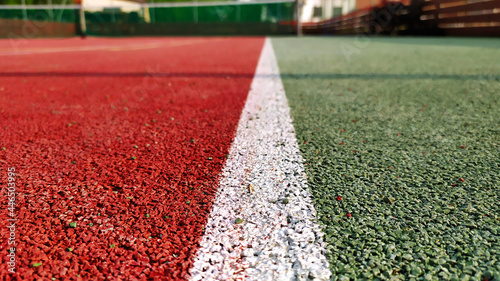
x=376, y=20
x=463, y=17
x=420, y=17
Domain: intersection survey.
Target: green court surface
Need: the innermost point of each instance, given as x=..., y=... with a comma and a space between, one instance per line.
x=407, y=132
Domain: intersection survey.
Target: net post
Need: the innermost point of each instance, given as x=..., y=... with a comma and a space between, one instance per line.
x=297, y=13
x=83, y=24
x=25, y=12
x=51, y=12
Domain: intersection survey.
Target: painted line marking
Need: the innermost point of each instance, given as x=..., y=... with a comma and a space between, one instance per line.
x=263, y=184
x=130, y=47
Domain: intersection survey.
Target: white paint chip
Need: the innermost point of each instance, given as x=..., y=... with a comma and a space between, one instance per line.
x=264, y=185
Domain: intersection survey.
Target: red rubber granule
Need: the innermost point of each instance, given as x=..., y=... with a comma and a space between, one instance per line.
x=100, y=136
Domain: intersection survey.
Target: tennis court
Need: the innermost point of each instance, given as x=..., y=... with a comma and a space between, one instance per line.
x=243, y=157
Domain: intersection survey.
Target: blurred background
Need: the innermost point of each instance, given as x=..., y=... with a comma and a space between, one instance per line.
x=63, y=18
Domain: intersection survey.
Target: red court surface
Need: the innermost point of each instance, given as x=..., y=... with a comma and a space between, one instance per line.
x=124, y=137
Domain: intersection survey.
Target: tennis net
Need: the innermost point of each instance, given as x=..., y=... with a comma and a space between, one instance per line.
x=263, y=17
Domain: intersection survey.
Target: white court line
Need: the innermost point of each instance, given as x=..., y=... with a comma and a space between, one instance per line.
x=113, y=48
x=263, y=184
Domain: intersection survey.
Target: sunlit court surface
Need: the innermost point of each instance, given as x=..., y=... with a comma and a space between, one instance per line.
x=183, y=141
x=124, y=138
